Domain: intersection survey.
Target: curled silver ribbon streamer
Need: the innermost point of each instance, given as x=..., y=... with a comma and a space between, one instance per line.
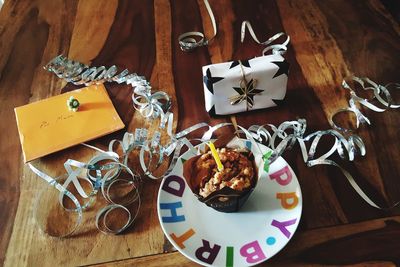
x=279, y=139
x=275, y=48
x=64, y=192
x=381, y=94
x=112, y=169
x=187, y=40
x=149, y=104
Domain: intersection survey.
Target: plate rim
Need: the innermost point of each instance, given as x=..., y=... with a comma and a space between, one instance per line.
x=182, y=251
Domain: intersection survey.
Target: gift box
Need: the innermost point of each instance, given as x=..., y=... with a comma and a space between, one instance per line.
x=244, y=85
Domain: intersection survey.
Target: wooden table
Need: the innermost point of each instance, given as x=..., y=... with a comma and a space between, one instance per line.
x=330, y=40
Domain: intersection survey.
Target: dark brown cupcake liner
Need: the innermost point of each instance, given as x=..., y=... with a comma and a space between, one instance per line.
x=225, y=199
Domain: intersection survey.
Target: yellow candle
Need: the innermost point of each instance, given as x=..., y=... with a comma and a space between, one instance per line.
x=216, y=156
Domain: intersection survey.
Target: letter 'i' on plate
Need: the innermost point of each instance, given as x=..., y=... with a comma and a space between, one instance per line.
x=229, y=256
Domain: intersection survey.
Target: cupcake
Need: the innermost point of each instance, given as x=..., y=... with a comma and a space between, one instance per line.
x=227, y=189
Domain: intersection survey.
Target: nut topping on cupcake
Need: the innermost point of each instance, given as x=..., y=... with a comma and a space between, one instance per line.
x=238, y=171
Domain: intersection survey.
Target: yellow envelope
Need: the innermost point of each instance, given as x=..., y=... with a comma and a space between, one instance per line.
x=48, y=125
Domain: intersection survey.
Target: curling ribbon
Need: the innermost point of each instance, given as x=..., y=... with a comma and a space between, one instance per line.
x=149, y=104
x=187, y=41
x=381, y=94
x=278, y=139
x=64, y=192
x=109, y=163
x=275, y=48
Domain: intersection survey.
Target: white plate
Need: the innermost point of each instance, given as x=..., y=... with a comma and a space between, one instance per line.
x=262, y=227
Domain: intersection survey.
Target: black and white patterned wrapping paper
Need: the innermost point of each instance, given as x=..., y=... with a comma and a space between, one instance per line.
x=270, y=73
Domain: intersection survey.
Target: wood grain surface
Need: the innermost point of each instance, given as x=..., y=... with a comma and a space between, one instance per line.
x=329, y=40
